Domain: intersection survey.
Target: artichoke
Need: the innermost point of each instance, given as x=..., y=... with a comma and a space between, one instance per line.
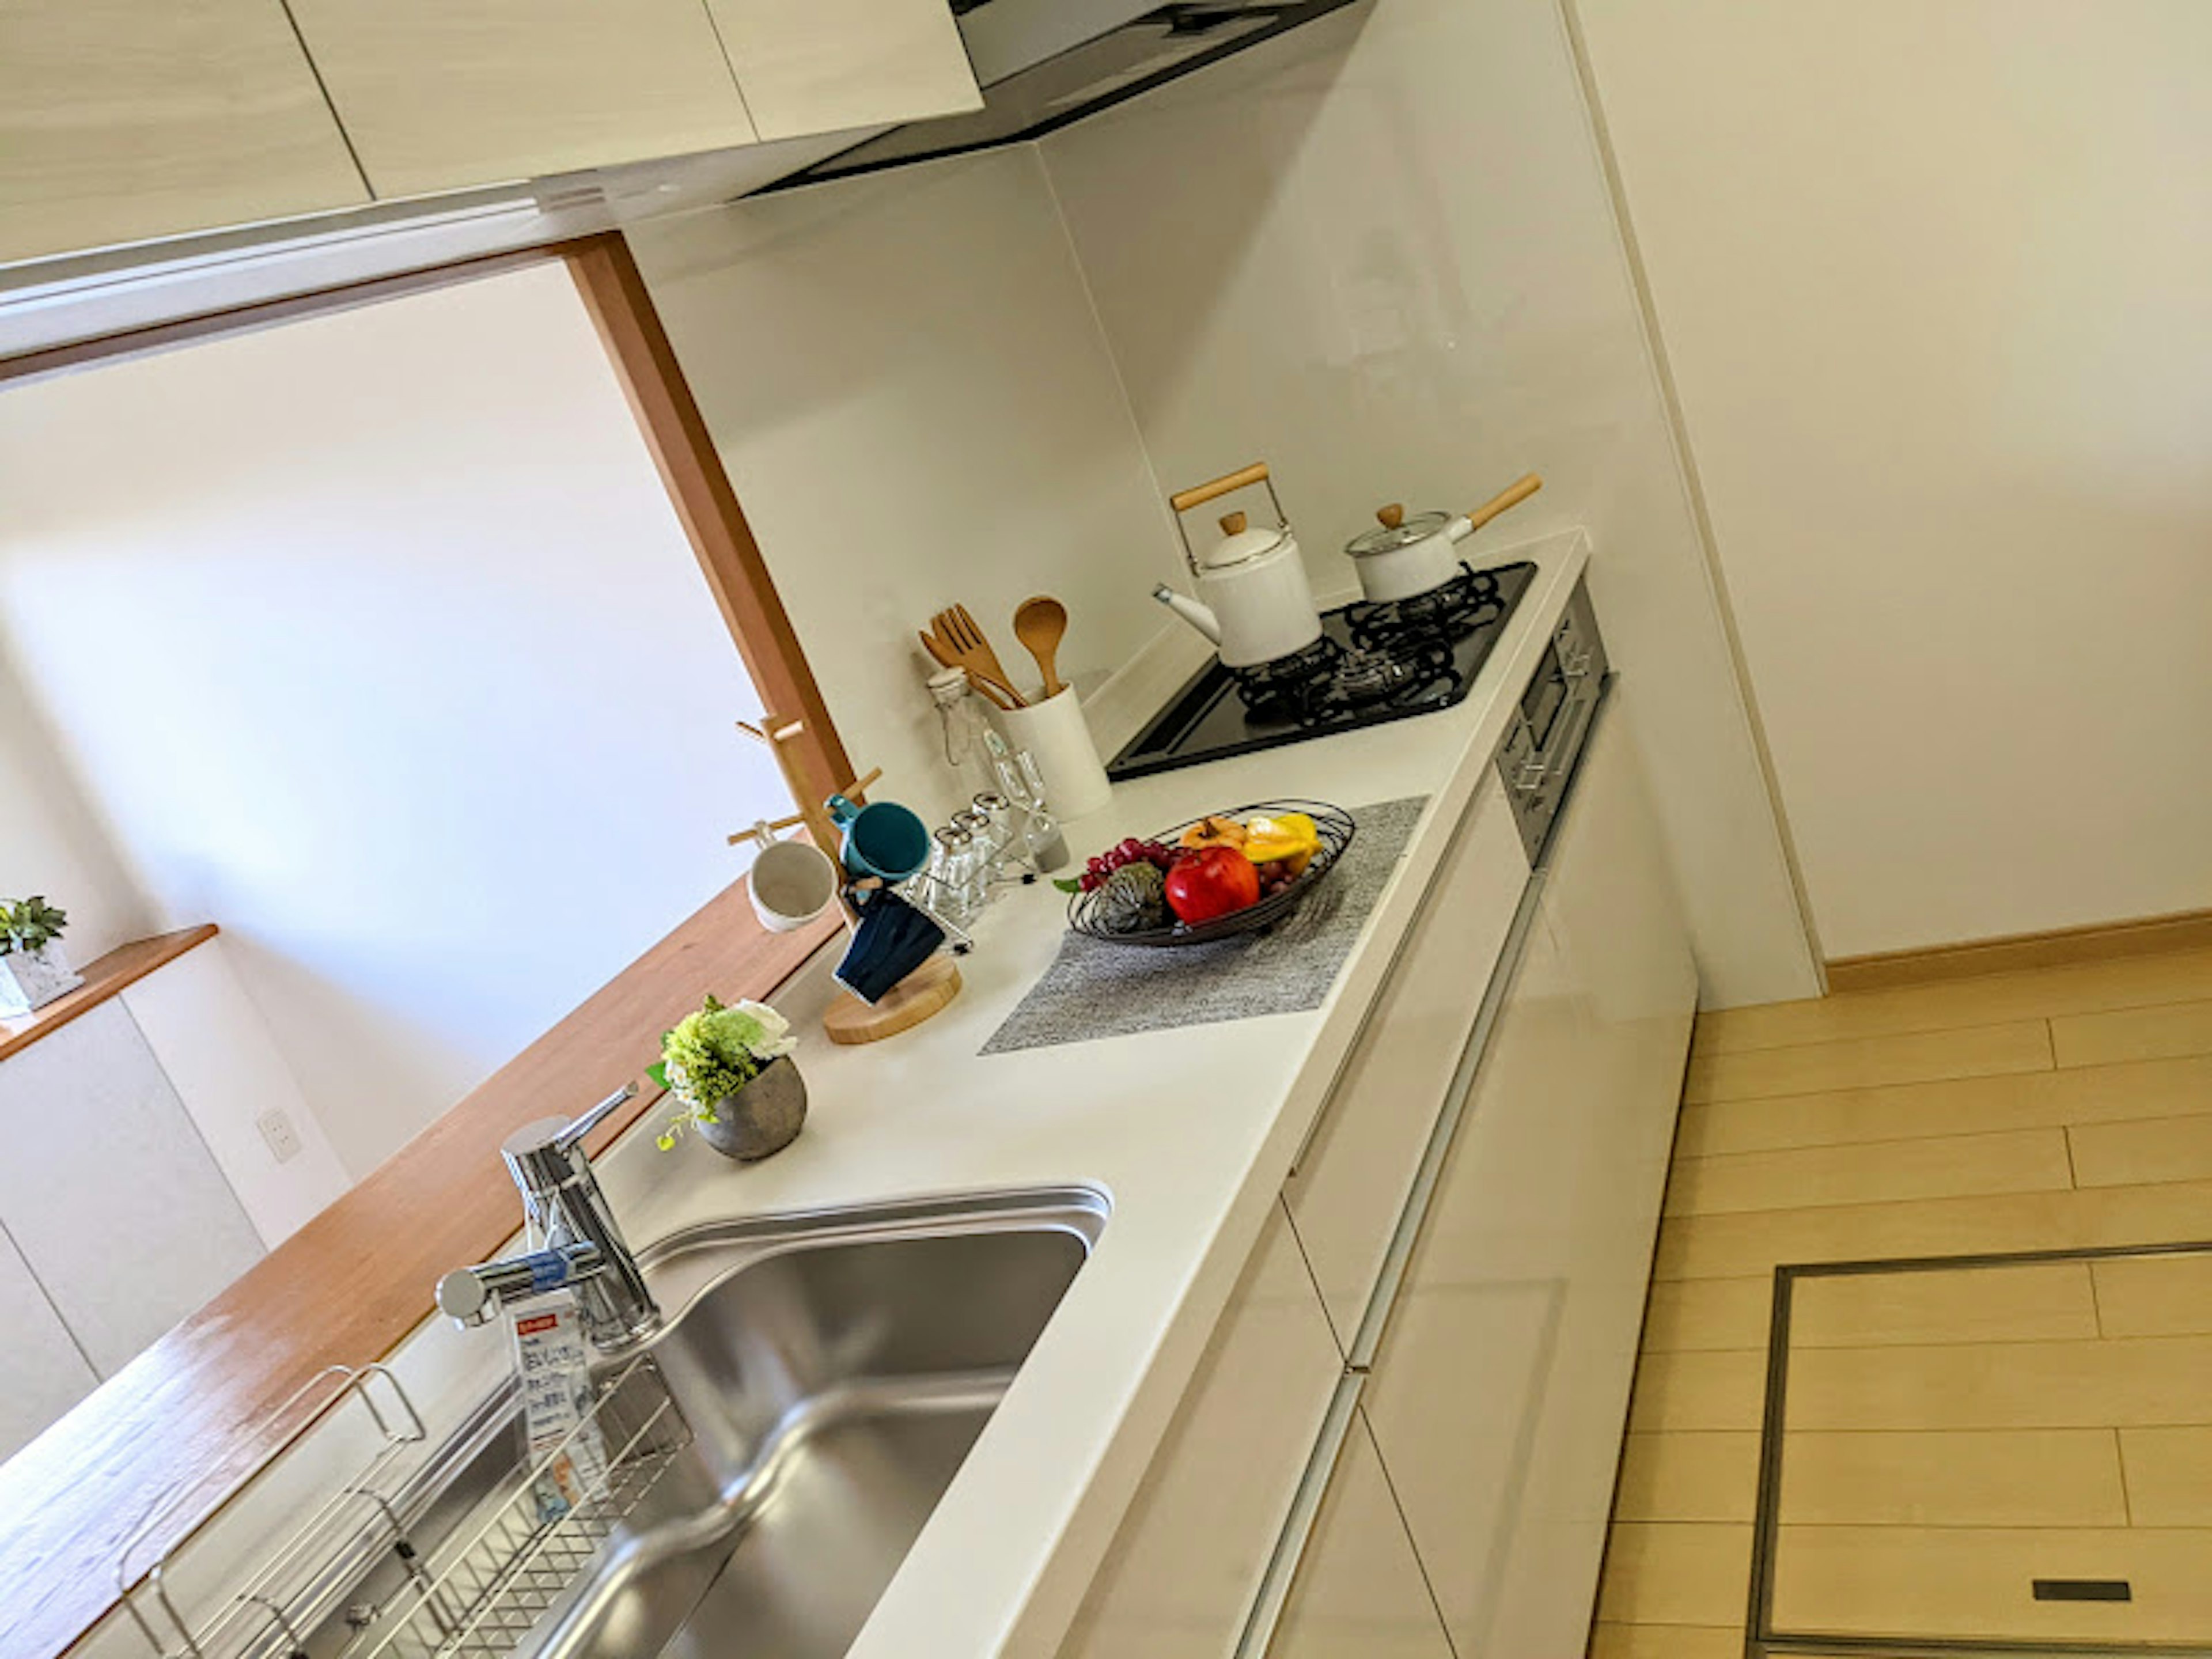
x=1134, y=900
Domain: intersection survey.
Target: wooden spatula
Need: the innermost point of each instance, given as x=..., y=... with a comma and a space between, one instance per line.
x=966, y=648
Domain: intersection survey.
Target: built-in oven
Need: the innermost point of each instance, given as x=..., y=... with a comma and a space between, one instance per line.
x=1537, y=760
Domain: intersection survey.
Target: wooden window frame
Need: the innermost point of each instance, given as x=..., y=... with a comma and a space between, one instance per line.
x=190, y=1415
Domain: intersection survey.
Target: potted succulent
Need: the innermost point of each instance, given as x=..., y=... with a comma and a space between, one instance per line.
x=729, y=1070
x=33, y=969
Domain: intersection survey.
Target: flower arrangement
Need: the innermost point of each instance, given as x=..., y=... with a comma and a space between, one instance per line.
x=713, y=1054
x=29, y=925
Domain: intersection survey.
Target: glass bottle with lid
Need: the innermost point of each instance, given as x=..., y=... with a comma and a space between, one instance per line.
x=964, y=730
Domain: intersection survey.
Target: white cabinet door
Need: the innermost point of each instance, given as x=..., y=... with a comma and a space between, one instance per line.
x=1359, y=1593
x=435, y=95
x=1500, y=1391
x=1351, y=1186
x=808, y=66
x=125, y=119
x=1183, y=1571
x=108, y=1190
x=42, y=1373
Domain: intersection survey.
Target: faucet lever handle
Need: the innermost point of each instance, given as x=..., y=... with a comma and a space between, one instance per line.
x=569, y=1138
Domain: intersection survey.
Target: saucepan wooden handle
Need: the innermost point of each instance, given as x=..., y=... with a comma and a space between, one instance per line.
x=1201, y=495
x=1512, y=495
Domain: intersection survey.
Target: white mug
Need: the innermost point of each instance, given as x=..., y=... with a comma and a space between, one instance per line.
x=791, y=883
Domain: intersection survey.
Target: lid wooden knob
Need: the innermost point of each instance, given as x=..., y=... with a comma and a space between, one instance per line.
x=1232, y=524
x=1391, y=516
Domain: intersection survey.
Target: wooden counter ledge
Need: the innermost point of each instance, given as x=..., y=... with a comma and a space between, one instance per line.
x=117, y=971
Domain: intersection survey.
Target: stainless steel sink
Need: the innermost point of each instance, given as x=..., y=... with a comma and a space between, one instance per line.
x=834, y=1370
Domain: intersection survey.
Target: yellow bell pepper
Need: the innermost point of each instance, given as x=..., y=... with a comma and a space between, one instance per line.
x=1291, y=840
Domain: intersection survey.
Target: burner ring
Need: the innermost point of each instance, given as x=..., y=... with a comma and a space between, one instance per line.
x=1450, y=611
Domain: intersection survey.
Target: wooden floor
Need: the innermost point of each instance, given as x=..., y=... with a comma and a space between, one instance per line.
x=1984, y=1422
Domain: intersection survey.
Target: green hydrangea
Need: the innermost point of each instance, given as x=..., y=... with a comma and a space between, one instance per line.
x=713, y=1054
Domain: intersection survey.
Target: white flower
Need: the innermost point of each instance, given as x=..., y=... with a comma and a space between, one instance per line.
x=775, y=1039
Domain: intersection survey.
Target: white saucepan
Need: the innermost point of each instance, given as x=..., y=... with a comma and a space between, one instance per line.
x=1407, y=556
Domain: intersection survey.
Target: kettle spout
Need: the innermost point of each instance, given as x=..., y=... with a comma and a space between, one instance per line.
x=1198, y=615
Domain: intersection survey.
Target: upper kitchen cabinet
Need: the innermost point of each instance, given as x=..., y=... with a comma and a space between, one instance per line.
x=122, y=120
x=811, y=66
x=438, y=97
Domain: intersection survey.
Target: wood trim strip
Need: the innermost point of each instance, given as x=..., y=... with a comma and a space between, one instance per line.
x=614, y=293
x=2185, y=930
x=107, y=976
x=346, y=1288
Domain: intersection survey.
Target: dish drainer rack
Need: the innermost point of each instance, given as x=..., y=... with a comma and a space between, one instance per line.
x=256, y=1616
x=474, y=1593
x=523, y=1554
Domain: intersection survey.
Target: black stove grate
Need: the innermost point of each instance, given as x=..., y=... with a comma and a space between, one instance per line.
x=1374, y=663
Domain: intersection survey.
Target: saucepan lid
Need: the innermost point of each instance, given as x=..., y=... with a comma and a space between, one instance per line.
x=1397, y=530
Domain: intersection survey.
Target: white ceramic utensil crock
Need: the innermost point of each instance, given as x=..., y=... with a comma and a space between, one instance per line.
x=1254, y=601
x=1408, y=556
x=1057, y=737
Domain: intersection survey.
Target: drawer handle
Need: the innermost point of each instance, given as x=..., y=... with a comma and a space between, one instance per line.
x=1274, y=1592
x=2083, y=1590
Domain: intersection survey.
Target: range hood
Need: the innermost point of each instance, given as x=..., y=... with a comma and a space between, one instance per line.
x=1045, y=64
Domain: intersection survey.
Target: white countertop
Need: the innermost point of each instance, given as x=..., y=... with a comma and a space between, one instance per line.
x=1188, y=1132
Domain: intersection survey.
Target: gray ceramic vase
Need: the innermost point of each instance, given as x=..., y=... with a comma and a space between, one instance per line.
x=762, y=1117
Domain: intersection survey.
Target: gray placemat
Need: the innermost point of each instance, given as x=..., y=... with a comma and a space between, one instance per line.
x=1095, y=989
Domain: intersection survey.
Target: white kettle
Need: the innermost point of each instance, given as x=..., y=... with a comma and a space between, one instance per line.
x=1254, y=601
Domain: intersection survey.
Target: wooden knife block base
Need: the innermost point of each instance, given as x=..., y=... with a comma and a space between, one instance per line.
x=922, y=993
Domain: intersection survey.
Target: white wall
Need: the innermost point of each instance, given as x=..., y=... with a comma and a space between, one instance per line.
x=376, y=641
x=1935, y=279
x=905, y=379
x=51, y=841
x=222, y=1058
x=1380, y=253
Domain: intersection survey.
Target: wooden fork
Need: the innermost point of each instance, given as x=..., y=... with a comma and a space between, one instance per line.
x=942, y=652
x=964, y=647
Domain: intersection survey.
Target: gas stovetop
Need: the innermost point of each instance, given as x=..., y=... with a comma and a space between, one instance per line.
x=1373, y=663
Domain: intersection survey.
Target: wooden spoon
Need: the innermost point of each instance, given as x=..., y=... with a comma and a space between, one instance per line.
x=1040, y=624
x=967, y=648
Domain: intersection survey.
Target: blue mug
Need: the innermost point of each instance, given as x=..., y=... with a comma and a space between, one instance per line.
x=882, y=839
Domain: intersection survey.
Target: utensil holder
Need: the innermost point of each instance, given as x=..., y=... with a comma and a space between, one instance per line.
x=1059, y=739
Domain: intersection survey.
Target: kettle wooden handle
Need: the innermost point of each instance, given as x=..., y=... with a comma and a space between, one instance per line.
x=1512, y=495
x=1200, y=495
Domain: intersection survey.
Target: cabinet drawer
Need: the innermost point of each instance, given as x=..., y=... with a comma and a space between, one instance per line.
x=1349, y=1190
x=1360, y=1589
x=1968, y=1582
x=810, y=66
x=436, y=96
x=1500, y=1385
x=1181, y=1572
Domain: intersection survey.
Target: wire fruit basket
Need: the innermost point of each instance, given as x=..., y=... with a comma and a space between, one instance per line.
x=1334, y=825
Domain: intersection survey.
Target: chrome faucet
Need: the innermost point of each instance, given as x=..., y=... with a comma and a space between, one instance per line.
x=576, y=1241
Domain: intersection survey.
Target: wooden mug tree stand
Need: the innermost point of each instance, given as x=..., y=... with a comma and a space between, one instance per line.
x=921, y=994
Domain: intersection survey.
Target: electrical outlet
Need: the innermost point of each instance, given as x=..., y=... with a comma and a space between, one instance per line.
x=276, y=1129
